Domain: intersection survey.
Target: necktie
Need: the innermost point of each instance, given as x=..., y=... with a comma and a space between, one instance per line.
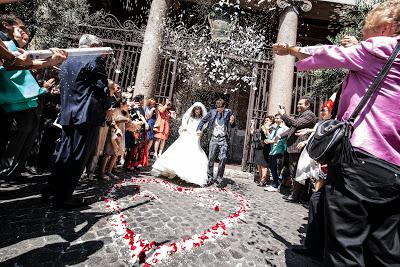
x=276, y=131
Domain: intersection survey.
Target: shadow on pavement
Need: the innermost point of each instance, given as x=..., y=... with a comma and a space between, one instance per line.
x=291, y=259
x=24, y=218
x=57, y=254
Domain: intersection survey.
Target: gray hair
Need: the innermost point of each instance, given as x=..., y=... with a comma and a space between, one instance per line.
x=89, y=40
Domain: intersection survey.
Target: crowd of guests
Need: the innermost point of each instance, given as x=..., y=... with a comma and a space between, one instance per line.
x=132, y=127
x=23, y=98
x=354, y=214
x=354, y=217
x=62, y=115
x=278, y=144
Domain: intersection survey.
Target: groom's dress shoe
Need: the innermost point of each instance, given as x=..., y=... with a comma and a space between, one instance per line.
x=209, y=183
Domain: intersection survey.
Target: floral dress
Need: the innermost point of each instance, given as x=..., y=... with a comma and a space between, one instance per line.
x=136, y=144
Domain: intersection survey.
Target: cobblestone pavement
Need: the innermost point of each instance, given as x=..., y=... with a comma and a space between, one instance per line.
x=33, y=235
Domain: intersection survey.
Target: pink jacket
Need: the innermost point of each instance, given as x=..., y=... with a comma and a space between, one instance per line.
x=377, y=129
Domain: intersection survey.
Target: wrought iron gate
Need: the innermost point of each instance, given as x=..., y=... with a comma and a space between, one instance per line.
x=126, y=39
x=303, y=86
x=257, y=109
x=167, y=76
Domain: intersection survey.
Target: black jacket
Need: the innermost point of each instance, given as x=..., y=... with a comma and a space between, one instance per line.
x=307, y=119
x=84, y=91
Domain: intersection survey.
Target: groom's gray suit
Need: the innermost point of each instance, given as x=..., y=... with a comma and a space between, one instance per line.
x=219, y=135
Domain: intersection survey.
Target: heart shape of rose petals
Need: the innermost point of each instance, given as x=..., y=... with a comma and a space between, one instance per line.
x=148, y=252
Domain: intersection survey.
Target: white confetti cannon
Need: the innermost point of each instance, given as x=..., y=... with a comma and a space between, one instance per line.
x=72, y=52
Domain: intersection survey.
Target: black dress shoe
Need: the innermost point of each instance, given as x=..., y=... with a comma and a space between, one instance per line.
x=292, y=199
x=34, y=171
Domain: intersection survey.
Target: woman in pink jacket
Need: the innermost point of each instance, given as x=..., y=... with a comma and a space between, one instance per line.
x=362, y=201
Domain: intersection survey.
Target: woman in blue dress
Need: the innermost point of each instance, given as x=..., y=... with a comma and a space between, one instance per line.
x=151, y=117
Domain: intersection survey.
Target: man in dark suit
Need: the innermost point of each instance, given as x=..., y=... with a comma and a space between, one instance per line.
x=85, y=98
x=220, y=121
x=305, y=119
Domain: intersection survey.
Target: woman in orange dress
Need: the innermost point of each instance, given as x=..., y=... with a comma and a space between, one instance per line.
x=161, y=127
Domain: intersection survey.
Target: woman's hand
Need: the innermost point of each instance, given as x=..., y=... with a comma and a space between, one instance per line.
x=301, y=145
x=58, y=56
x=49, y=84
x=348, y=41
x=302, y=132
x=319, y=184
x=281, y=49
x=232, y=119
x=268, y=141
x=173, y=114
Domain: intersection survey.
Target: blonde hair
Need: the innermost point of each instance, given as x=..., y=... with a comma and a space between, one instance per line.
x=110, y=83
x=386, y=12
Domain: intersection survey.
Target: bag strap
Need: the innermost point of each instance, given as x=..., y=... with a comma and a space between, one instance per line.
x=337, y=100
x=373, y=88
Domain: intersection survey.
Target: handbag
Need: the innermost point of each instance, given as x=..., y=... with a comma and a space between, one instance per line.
x=330, y=143
x=257, y=140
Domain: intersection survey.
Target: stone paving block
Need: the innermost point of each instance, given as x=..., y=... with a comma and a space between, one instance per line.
x=83, y=237
x=235, y=254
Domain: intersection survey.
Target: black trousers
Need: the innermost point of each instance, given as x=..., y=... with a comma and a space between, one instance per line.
x=47, y=147
x=221, y=144
x=25, y=127
x=6, y=123
x=298, y=190
x=362, y=211
x=275, y=164
x=77, y=142
x=315, y=228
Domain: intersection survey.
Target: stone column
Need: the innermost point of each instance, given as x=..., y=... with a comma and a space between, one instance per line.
x=282, y=75
x=146, y=77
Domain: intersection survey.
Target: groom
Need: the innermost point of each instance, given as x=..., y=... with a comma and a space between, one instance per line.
x=220, y=121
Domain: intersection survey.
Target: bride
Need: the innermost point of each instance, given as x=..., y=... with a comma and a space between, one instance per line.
x=185, y=158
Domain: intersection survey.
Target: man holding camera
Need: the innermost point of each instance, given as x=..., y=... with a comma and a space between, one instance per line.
x=305, y=119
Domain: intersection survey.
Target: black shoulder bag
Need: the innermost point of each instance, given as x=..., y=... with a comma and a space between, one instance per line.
x=330, y=143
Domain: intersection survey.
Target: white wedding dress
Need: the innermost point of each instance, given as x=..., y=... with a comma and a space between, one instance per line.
x=185, y=158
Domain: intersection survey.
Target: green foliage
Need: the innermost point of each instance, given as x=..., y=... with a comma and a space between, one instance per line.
x=352, y=18
x=50, y=20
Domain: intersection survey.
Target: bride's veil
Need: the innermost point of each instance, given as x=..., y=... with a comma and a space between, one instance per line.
x=186, y=116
